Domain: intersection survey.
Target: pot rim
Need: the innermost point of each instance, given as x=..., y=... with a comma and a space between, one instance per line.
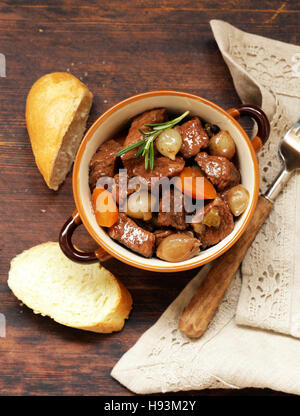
x=107, y=247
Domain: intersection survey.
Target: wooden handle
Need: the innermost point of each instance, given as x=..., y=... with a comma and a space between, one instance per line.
x=204, y=303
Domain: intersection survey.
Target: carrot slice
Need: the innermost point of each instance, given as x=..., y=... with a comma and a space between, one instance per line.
x=190, y=185
x=105, y=208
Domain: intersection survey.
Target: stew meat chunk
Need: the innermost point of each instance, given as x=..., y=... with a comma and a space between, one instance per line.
x=175, y=216
x=103, y=162
x=164, y=167
x=194, y=137
x=127, y=232
x=210, y=235
x=221, y=172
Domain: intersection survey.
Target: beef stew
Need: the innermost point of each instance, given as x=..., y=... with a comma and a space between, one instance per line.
x=157, y=150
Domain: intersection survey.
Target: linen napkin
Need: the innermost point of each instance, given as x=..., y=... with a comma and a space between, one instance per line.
x=267, y=73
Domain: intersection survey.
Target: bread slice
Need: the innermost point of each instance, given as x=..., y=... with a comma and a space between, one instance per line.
x=57, y=109
x=87, y=297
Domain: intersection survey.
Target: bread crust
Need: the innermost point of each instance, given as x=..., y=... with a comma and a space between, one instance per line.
x=114, y=320
x=51, y=106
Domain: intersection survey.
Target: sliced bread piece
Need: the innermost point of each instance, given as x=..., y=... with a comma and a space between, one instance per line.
x=57, y=109
x=87, y=297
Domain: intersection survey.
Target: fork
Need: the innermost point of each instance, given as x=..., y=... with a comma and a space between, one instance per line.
x=201, y=309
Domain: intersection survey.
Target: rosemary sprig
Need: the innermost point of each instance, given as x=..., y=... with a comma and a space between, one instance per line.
x=146, y=145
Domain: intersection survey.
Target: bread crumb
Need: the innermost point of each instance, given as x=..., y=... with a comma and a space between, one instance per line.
x=41, y=30
x=72, y=63
x=105, y=101
x=43, y=210
x=86, y=74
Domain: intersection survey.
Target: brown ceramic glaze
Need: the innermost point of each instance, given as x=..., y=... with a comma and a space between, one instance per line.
x=261, y=119
x=65, y=241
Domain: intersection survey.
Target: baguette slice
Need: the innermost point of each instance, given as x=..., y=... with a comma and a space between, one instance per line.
x=57, y=109
x=87, y=297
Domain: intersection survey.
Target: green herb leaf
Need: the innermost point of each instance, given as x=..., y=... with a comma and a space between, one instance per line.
x=145, y=133
x=146, y=160
x=152, y=155
x=171, y=122
x=140, y=151
x=132, y=146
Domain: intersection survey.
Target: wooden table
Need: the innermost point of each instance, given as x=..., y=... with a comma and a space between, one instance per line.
x=118, y=48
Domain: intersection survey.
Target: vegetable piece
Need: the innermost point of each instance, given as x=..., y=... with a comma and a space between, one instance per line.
x=237, y=199
x=178, y=247
x=105, y=208
x=187, y=182
x=168, y=143
x=161, y=234
x=222, y=144
x=140, y=205
x=212, y=218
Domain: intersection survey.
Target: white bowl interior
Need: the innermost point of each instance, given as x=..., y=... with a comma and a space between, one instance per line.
x=177, y=104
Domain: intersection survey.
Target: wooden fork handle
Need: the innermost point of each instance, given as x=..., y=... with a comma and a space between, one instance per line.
x=199, y=312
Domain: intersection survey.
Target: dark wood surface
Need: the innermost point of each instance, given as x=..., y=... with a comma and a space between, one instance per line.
x=118, y=48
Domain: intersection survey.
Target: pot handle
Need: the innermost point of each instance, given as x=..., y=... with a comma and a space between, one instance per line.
x=261, y=119
x=65, y=242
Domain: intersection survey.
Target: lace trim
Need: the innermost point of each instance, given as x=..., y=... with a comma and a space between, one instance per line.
x=278, y=73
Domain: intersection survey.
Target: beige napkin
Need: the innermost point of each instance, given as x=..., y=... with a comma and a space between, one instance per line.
x=267, y=73
x=228, y=355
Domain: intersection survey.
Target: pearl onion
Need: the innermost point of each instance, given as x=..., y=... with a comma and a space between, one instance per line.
x=140, y=205
x=178, y=247
x=168, y=143
x=238, y=199
x=222, y=144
